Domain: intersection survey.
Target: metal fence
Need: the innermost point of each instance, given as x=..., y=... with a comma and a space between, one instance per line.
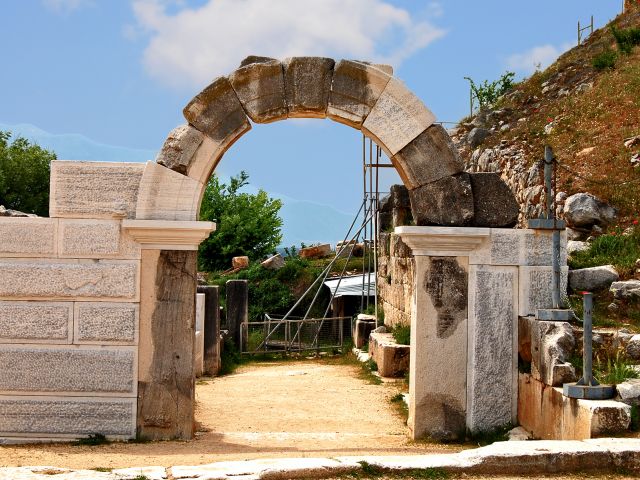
x=294, y=334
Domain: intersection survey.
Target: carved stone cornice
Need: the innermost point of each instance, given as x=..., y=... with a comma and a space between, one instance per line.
x=167, y=234
x=443, y=241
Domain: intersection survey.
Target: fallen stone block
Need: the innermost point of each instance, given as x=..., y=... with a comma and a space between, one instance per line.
x=276, y=262
x=584, y=210
x=446, y=202
x=632, y=348
x=316, y=251
x=427, y=158
x=240, y=262
x=307, y=85
x=364, y=325
x=493, y=201
x=593, y=278
x=391, y=357
x=629, y=391
x=260, y=89
x=179, y=148
x=629, y=289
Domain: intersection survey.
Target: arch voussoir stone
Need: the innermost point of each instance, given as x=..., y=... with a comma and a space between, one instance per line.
x=307, y=85
x=260, y=88
x=179, y=148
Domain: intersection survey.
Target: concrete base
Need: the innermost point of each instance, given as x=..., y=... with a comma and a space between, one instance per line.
x=391, y=357
x=547, y=414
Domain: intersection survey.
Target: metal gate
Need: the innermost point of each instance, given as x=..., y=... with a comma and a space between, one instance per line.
x=293, y=334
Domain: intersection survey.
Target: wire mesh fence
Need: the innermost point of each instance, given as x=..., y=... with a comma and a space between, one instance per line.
x=273, y=335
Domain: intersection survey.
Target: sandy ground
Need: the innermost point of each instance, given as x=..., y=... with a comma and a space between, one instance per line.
x=288, y=409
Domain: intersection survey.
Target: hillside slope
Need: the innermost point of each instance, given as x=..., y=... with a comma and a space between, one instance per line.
x=585, y=114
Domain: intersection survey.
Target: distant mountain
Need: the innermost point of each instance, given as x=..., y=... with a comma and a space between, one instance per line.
x=72, y=146
x=304, y=221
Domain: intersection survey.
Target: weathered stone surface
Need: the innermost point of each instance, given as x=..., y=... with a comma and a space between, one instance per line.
x=68, y=279
x=629, y=289
x=592, y=278
x=307, y=85
x=260, y=89
x=492, y=384
x=240, y=262
x=94, y=189
x=198, y=358
x=237, y=293
x=552, y=344
x=391, y=357
x=95, y=239
x=166, y=387
x=249, y=59
x=535, y=288
x=447, y=202
x=505, y=247
x=632, y=349
x=494, y=202
x=7, y=212
x=212, y=359
x=438, y=383
x=317, y=251
x=68, y=369
x=427, y=158
x=355, y=89
x=363, y=327
x=179, y=147
x=167, y=195
x=27, y=237
x=217, y=112
x=574, y=246
x=476, y=136
x=537, y=248
x=67, y=416
x=102, y=322
x=275, y=262
x=629, y=391
x=398, y=197
x=24, y=322
x=584, y=210
x=397, y=118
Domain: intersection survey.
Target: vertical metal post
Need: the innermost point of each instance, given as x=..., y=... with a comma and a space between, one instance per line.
x=591, y=24
x=579, y=32
x=555, y=237
x=587, y=339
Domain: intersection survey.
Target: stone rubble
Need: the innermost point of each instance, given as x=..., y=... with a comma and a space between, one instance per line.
x=592, y=278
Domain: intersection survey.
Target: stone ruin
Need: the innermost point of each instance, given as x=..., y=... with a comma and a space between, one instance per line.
x=97, y=302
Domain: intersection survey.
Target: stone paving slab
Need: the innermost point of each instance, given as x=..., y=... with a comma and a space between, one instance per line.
x=501, y=458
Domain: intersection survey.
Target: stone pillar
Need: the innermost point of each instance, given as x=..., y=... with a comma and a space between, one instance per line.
x=211, y=329
x=237, y=309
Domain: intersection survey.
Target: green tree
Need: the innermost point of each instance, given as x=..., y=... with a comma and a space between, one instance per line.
x=247, y=224
x=24, y=175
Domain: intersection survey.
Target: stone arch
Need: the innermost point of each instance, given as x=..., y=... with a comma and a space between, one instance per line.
x=359, y=94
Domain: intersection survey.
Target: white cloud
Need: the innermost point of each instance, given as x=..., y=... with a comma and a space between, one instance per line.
x=66, y=6
x=188, y=46
x=538, y=57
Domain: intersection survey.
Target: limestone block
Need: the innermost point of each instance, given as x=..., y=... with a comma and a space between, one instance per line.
x=79, y=238
x=179, y=147
x=505, y=247
x=427, y=158
x=362, y=329
x=398, y=248
x=494, y=202
x=28, y=237
x=492, y=359
x=438, y=388
x=355, y=89
x=391, y=357
x=593, y=278
x=260, y=89
x=199, y=334
x=49, y=416
x=552, y=344
x=317, y=251
x=206, y=159
x=94, y=189
x=526, y=247
x=65, y=279
x=71, y=369
x=446, y=202
x=105, y=323
x=307, y=84
x=217, y=112
x=538, y=247
x=397, y=118
x=35, y=322
x=535, y=288
x=167, y=195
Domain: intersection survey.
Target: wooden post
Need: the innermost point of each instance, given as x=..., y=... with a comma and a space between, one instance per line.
x=237, y=310
x=211, y=329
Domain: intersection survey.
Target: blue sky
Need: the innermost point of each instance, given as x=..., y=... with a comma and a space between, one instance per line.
x=120, y=71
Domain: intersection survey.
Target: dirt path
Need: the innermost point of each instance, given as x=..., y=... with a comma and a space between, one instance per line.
x=288, y=409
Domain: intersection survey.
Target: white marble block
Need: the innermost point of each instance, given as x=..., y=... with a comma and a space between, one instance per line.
x=94, y=189
x=68, y=369
x=27, y=237
x=535, y=289
x=68, y=279
x=106, y=323
x=47, y=416
x=95, y=239
x=36, y=322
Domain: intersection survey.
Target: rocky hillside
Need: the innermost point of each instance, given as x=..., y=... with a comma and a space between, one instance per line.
x=590, y=116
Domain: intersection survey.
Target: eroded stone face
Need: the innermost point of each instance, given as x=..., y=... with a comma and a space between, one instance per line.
x=494, y=203
x=446, y=284
x=179, y=148
x=446, y=202
x=307, y=84
x=260, y=89
x=446, y=420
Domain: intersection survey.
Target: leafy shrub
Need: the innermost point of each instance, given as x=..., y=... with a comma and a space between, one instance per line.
x=605, y=60
x=487, y=93
x=626, y=39
x=402, y=334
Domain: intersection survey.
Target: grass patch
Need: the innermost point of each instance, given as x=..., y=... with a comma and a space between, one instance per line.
x=626, y=39
x=615, y=249
x=613, y=369
x=102, y=469
x=92, y=440
x=402, y=334
x=369, y=470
